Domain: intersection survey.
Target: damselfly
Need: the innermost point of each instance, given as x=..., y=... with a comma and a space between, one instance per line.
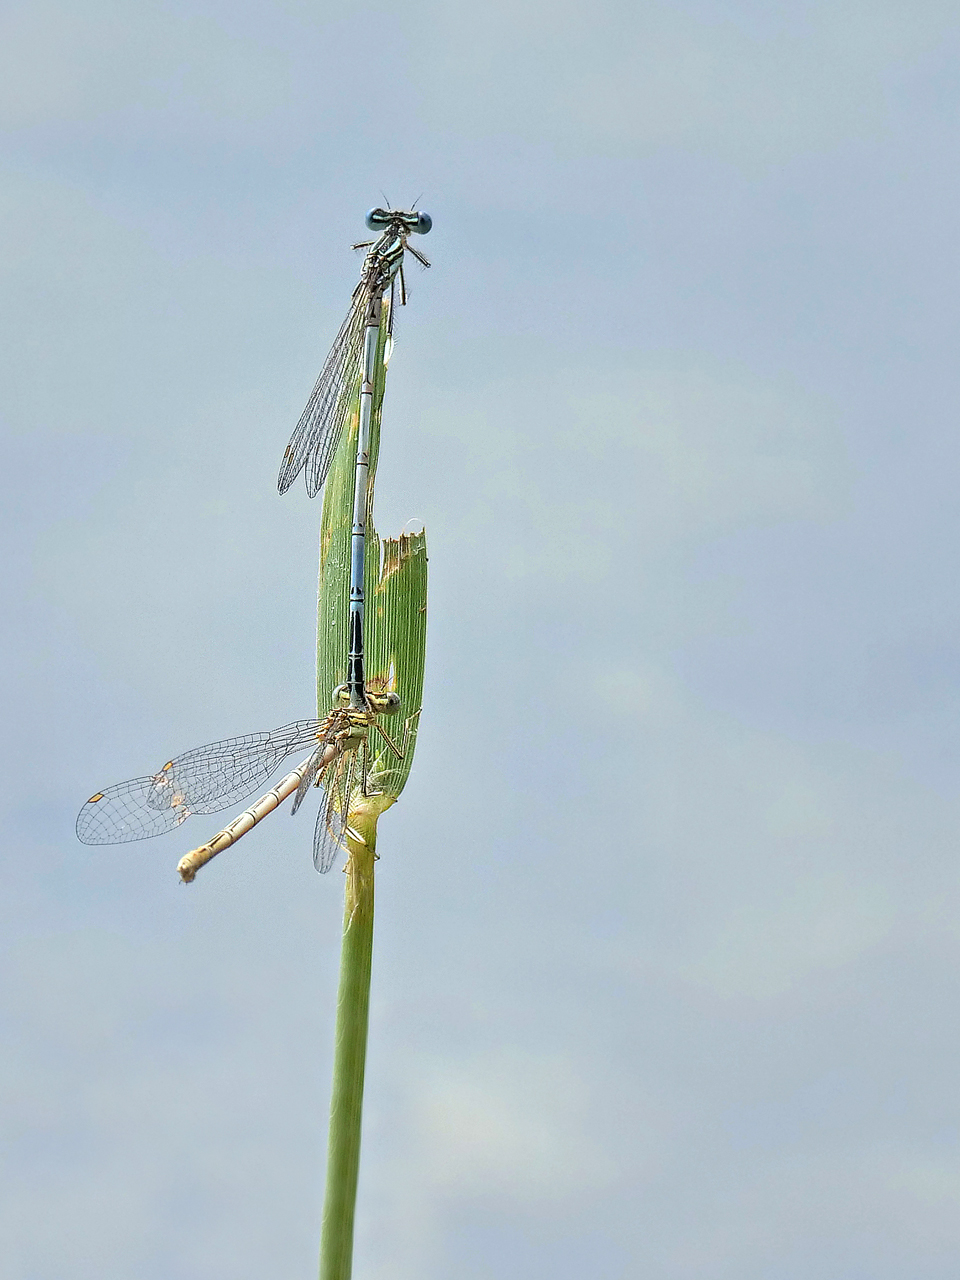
x=343, y=762
x=210, y=778
x=314, y=442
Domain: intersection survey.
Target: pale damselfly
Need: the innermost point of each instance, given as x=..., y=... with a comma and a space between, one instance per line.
x=208, y=779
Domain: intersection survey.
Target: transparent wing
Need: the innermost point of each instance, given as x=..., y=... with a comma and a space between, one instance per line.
x=330, y=833
x=317, y=434
x=125, y=812
x=327, y=842
x=200, y=781
x=314, y=764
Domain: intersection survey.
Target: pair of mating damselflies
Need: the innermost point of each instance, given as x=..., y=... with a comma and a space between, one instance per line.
x=208, y=779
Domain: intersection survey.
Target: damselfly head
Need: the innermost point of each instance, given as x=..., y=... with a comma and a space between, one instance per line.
x=382, y=219
x=385, y=703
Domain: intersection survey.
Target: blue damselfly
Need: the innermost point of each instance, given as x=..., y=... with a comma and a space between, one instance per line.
x=315, y=439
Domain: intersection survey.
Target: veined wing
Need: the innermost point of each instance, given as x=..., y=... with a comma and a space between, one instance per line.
x=312, y=768
x=203, y=780
x=317, y=434
x=330, y=833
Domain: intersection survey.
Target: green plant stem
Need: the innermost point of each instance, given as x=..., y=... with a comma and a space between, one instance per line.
x=353, y=1003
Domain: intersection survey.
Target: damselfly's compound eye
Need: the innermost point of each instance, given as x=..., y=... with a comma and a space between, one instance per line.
x=424, y=223
x=377, y=219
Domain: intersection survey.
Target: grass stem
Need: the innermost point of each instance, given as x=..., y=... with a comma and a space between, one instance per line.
x=350, y=1052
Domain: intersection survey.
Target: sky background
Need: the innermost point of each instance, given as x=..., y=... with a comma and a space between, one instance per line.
x=668, y=942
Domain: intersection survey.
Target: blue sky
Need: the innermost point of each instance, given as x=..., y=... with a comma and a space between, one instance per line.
x=665, y=980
